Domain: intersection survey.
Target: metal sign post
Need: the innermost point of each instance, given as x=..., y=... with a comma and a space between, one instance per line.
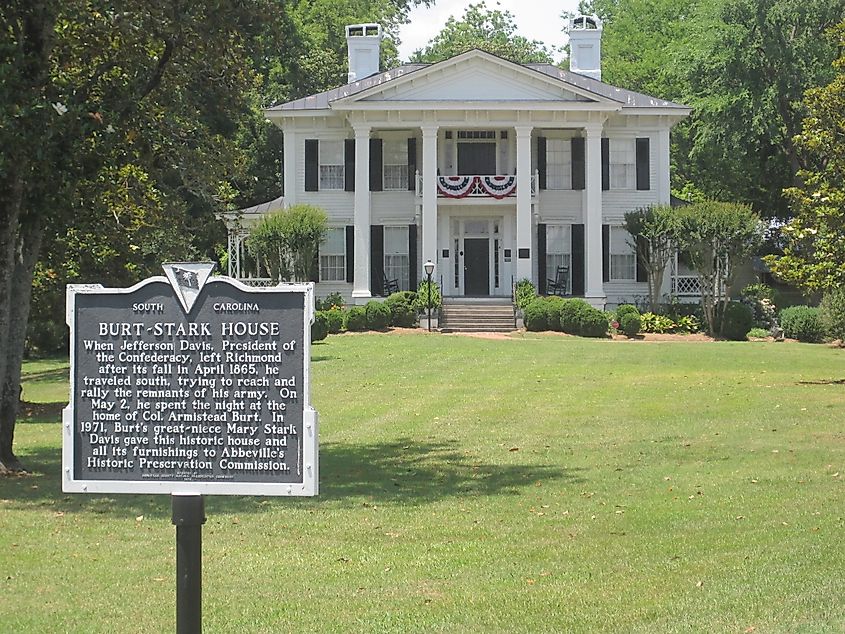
x=188, y=517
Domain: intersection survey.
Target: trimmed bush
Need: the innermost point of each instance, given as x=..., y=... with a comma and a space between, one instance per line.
x=378, y=315
x=801, y=323
x=534, y=315
x=334, y=320
x=356, y=319
x=552, y=305
x=737, y=320
x=832, y=314
x=570, y=315
x=320, y=327
x=525, y=293
x=629, y=323
x=624, y=309
x=403, y=313
x=593, y=323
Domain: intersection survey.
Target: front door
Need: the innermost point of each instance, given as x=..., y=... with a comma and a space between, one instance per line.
x=476, y=266
x=476, y=159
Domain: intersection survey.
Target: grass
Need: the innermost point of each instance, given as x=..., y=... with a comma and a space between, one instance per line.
x=537, y=484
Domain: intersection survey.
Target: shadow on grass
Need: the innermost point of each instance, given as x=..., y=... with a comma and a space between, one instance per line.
x=401, y=472
x=56, y=375
x=40, y=412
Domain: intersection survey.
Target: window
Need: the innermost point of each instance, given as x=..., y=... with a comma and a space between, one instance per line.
x=558, y=250
x=558, y=163
x=333, y=256
x=477, y=134
x=397, y=264
x=623, y=259
x=395, y=158
x=331, y=165
x=622, y=164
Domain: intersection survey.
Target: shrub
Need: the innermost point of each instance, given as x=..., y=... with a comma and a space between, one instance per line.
x=334, y=320
x=534, y=316
x=624, y=309
x=355, y=319
x=320, y=327
x=759, y=291
x=687, y=325
x=832, y=314
x=332, y=300
x=552, y=306
x=758, y=333
x=651, y=322
x=593, y=322
x=570, y=315
x=629, y=323
x=737, y=320
x=525, y=293
x=801, y=323
x=378, y=315
x=422, y=296
x=403, y=313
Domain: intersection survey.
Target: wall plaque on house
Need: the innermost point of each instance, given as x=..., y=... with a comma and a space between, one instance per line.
x=188, y=383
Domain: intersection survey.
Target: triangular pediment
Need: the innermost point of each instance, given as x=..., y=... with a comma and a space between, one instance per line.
x=472, y=77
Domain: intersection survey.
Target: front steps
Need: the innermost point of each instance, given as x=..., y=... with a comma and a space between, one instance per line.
x=483, y=314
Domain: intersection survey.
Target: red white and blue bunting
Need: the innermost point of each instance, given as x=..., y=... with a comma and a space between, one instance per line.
x=497, y=187
x=455, y=186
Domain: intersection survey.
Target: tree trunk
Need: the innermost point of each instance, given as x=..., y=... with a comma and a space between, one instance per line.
x=29, y=245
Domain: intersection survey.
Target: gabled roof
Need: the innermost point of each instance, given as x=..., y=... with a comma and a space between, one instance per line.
x=567, y=80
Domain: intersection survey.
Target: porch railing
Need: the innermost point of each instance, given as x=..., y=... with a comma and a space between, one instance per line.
x=686, y=286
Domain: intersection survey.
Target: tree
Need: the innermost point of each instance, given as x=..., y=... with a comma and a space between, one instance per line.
x=718, y=237
x=493, y=31
x=287, y=241
x=814, y=256
x=652, y=230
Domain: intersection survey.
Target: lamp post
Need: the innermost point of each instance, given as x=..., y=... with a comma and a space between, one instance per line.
x=429, y=269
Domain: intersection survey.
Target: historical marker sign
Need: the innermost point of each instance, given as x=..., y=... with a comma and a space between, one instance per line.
x=189, y=383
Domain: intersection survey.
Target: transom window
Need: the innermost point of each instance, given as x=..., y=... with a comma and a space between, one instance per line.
x=331, y=165
x=397, y=264
x=477, y=134
x=558, y=250
x=559, y=163
x=622, y=158
x=623, y=259
x=395, y=164
x=333, y=256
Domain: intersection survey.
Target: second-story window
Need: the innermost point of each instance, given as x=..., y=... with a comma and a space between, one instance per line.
x=558, y=163
x=622, y=164
x=331, y=165
x=395, y=152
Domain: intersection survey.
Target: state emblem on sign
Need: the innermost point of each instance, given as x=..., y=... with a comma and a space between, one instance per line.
x=187, y=280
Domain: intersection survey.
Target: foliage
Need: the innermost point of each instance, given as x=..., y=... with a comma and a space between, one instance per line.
x=332, y=300
x=832, y=313
x=759, y=291
x=403, y=313
x=334, y=319
x=552, y=306
x=525, y=293
x=287, y=241
x=570, y=315
x=378, y=315
x=814, y=255
x=320, y=326
x=687, y=325
x=758, y=333
x=652, y=322
x=355, y=319
x=718, y=237
x=423, y=296
x=802, y=323
x=629, y=324
x=534, y=315
x=592, y=323
x=736, y=320
x=652, y=231
x=624, y=309
x=491, y=30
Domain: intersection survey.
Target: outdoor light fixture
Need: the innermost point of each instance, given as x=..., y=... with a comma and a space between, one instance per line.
x=429, y=269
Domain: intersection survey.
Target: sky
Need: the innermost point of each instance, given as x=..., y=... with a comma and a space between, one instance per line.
x=535, y=20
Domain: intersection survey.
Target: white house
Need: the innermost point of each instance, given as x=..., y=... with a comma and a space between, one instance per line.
x=494, y=171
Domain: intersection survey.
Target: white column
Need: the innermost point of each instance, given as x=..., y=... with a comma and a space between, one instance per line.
x=524, y=256
x=429, y=195
x=361, y=279
x=664, y=189
x=594, y=288
x=290, y=167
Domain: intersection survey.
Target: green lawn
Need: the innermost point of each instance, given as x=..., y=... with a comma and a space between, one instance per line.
x=537, y=484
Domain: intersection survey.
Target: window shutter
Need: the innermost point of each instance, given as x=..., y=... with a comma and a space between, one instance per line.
x=642, y=247
x=605, y=163
x=349, y=165
x=376, y=165
x=643, y=177
x=578, y=259
x=312, y=165
x=541, y=258
x=413, y=280
x=541, y=161
x=350, y=253
x=377, y=259
x=412, y=164
x=314, y=273
x=605, y=253
x=578, y=167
